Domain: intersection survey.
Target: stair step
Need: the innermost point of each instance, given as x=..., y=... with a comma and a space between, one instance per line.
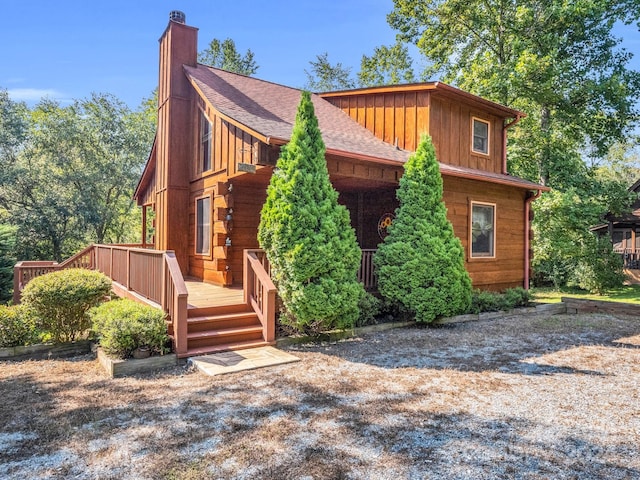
x=224, y=347
x=218, y=310
x=226, y=332
x=224, y=321
x=208, y=338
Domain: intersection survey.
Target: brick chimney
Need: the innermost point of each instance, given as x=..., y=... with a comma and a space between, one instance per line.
x=178, y=47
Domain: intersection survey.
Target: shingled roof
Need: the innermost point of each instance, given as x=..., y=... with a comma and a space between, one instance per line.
x=270, y=110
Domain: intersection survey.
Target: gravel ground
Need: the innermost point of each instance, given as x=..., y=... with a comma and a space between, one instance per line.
x=553, y=397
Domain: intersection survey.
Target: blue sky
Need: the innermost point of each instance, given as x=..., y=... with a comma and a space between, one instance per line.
x=67, y=49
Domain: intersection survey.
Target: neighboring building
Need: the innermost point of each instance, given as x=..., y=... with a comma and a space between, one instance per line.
x=219, y=136
x=624, y=232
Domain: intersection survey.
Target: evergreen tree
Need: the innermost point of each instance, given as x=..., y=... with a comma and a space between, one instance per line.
x=420, y=264
x=307, y=235
x=7, y=261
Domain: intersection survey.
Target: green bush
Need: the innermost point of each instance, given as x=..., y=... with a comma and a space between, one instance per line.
x=307, y=235
x=60, y=301
x=124, y=325
x=420, y=264
x=599, y=268
x=370, y=307
x=16, y=327
x=486, y=301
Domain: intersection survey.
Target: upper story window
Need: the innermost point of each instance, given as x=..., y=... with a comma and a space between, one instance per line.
x=480, y=140
x=483, y=228
x=205, y=142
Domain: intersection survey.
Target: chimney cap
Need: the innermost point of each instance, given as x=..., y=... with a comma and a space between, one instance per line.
x=177, y=16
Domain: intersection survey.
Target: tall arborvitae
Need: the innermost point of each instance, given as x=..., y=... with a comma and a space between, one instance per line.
x=420, y=264
x=307, y=235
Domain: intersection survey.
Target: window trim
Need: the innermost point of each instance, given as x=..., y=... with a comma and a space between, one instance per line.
x=204, y=120
x=491, y=256
x=473, y=134
x=209, y=250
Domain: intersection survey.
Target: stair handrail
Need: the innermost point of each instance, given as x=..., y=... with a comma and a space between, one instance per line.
x=174, y=301
x=259, y=291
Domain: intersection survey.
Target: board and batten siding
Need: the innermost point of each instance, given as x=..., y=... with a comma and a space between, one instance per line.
x=506, y=270
x=400, y=118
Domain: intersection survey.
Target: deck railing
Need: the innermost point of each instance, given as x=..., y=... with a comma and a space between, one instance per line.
x=630, y=257
x=140, y=273
x=366, y=273
x=259, y=291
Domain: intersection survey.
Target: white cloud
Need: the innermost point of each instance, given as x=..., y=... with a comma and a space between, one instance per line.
x=34, y=94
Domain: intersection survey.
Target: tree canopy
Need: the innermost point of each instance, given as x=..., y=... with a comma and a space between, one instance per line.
x=67, y=173
x=224, y=55
x=325, y=77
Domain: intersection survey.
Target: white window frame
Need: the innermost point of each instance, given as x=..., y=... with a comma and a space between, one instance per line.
x=202, y=239
x=492, y=250
x=473, y=136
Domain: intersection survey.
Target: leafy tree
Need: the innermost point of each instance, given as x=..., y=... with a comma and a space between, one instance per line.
x=225, y=55
x=558, y=62
x=7, y=261
x=71, y=180
x=325, y=77
x=307, y=235
x=420, y=264
x=387, y=66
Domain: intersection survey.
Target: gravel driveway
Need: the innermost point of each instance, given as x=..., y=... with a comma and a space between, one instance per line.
x=523, y=397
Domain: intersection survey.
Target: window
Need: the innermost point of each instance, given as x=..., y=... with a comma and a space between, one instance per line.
x=205, y=142
x=203, y=225
x=483, y=226
x=480, y=141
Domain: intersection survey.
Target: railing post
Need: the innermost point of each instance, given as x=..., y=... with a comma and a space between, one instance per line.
x=248, y=285
x=17, y=281
x=128, y=269
x=180, y=327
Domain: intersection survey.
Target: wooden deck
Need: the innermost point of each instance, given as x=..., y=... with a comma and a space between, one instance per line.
x=203, y=294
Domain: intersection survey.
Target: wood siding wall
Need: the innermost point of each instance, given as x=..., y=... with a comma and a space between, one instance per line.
x=451, y=131
x=401, y=118
x=393, y=117
x=506, y=270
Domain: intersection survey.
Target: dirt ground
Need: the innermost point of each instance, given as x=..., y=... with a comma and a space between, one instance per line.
x=553, y=397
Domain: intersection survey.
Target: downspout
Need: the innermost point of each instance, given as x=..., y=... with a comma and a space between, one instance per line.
x=527, y=238
x=504, y=141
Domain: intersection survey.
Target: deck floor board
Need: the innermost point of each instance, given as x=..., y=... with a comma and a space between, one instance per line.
x=202, y=294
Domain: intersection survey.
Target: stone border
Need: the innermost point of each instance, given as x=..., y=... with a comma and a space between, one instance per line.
x=335, y=335
x=581, y=305
x=543, y=308
x=45, y=351
x=116, y=367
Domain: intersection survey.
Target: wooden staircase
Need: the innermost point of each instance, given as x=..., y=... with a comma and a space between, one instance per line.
x=221, y=328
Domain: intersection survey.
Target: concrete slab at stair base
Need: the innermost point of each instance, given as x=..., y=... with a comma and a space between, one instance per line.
x=240, y=360
x=131, y=366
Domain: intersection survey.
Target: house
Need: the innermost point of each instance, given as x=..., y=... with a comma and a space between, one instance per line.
x=624, y=232
x=217, y=142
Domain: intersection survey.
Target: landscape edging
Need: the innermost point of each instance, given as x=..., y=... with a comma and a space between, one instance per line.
x=116, y=367
x=42, y=351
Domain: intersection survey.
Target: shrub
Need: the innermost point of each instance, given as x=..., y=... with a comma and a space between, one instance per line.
x=599, y=268
x=60, y=301
x=16, y=327
x=307, y=235
x=124, y=325
x=420, y=264
x=370, y=307
x=7, y=260
x=486, y=301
